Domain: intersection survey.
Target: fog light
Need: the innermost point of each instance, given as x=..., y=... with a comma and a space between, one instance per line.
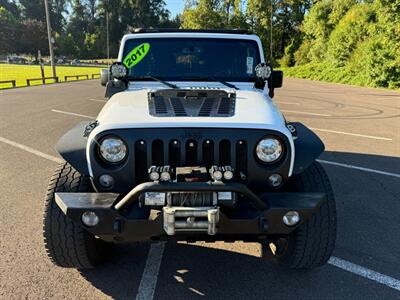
x=217, y=175
x=154, y=176
x=275, y=180
x=291, y=218
x=90, y=219
x=228, y=175
x=106, y=181
x=165, y=176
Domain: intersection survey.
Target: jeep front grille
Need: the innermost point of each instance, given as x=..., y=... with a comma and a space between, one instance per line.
x=189, y=147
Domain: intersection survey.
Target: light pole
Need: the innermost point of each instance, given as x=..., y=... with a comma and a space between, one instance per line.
x=108, y=40
x=50, y=38
x=271, y=35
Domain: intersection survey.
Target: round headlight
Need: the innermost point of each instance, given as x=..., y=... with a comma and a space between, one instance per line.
x=113, y=149
x=269, y=150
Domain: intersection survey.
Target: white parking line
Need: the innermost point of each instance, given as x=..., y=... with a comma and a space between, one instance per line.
x=353, y=134
x=364, y=272
x=148, y=282
x=30, y=150
x=72, y=114
x=358, y=168
x=289, y=103
x=97, y=100
x=304, y=113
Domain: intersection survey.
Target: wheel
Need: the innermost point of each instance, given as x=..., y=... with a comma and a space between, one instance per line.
x=68, y=244
x=311, y=244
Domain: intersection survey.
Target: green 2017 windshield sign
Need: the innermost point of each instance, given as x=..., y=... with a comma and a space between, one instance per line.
x=136, y=55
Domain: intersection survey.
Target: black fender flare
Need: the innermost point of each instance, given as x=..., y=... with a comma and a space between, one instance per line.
x=307, y=146
x=72, y=148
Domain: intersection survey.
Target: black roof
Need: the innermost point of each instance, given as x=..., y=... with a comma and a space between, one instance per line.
x=154, y=30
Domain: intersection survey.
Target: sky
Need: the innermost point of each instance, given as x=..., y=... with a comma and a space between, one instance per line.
x=175, y=6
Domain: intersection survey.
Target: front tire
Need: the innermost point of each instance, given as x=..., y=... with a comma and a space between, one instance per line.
x=312, y=244
x=68, y=244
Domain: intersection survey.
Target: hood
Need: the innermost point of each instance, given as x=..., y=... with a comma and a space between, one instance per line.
x=243, y=108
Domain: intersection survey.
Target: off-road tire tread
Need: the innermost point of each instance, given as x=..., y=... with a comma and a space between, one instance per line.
x=68, y=244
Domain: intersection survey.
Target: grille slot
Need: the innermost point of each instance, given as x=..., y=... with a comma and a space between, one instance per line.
x=157, y=153
x=241, y=159
x=191, y=153
x=225, y=153
x=174, y=153
x=141, y=161
x=208, y=153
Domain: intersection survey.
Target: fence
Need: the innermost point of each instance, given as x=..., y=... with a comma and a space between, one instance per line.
x=93, y=76
x=9, y=81
x=43, y=79
x=75, y=76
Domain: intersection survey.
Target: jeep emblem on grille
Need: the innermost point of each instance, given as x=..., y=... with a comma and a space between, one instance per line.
x=194, y=135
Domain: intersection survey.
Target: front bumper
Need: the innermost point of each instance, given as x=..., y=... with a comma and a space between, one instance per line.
x=114, y=226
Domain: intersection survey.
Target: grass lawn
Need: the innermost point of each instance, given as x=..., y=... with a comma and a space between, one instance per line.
x=22, y=72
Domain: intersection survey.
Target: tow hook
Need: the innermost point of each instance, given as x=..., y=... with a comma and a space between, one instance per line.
x=263, y=224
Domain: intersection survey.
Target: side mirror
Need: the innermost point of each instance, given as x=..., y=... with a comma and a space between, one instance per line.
x=104, y=76
x=275, y=81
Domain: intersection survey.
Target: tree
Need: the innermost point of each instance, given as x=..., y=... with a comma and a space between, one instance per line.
x=203, y=14
x=11, y=7
x=35, y=10
x=317, y=27
x=9, y=26
x=288, y=17
x=33, y=37
x=77, y=27
x=259, y=17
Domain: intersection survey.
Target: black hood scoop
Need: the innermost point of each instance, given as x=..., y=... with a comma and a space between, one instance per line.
x=191, y=103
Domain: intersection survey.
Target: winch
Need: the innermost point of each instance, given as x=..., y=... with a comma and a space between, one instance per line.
x=190, y=219
x=189, y=211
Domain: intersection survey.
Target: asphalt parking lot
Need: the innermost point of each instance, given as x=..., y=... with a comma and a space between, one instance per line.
x=361, y=130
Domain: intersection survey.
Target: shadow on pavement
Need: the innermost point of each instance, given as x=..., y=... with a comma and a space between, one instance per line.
x=191, y=271
x=120, y=276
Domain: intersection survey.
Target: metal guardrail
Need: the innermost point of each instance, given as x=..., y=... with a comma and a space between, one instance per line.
x=28, y=81
x=13, y=83
x=75, y=76
x=56, y=79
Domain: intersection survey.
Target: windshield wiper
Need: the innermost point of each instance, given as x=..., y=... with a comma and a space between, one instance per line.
x=230, y=85
x=171, y=85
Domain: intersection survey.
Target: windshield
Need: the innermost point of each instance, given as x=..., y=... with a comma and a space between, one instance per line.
x=192, y=58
